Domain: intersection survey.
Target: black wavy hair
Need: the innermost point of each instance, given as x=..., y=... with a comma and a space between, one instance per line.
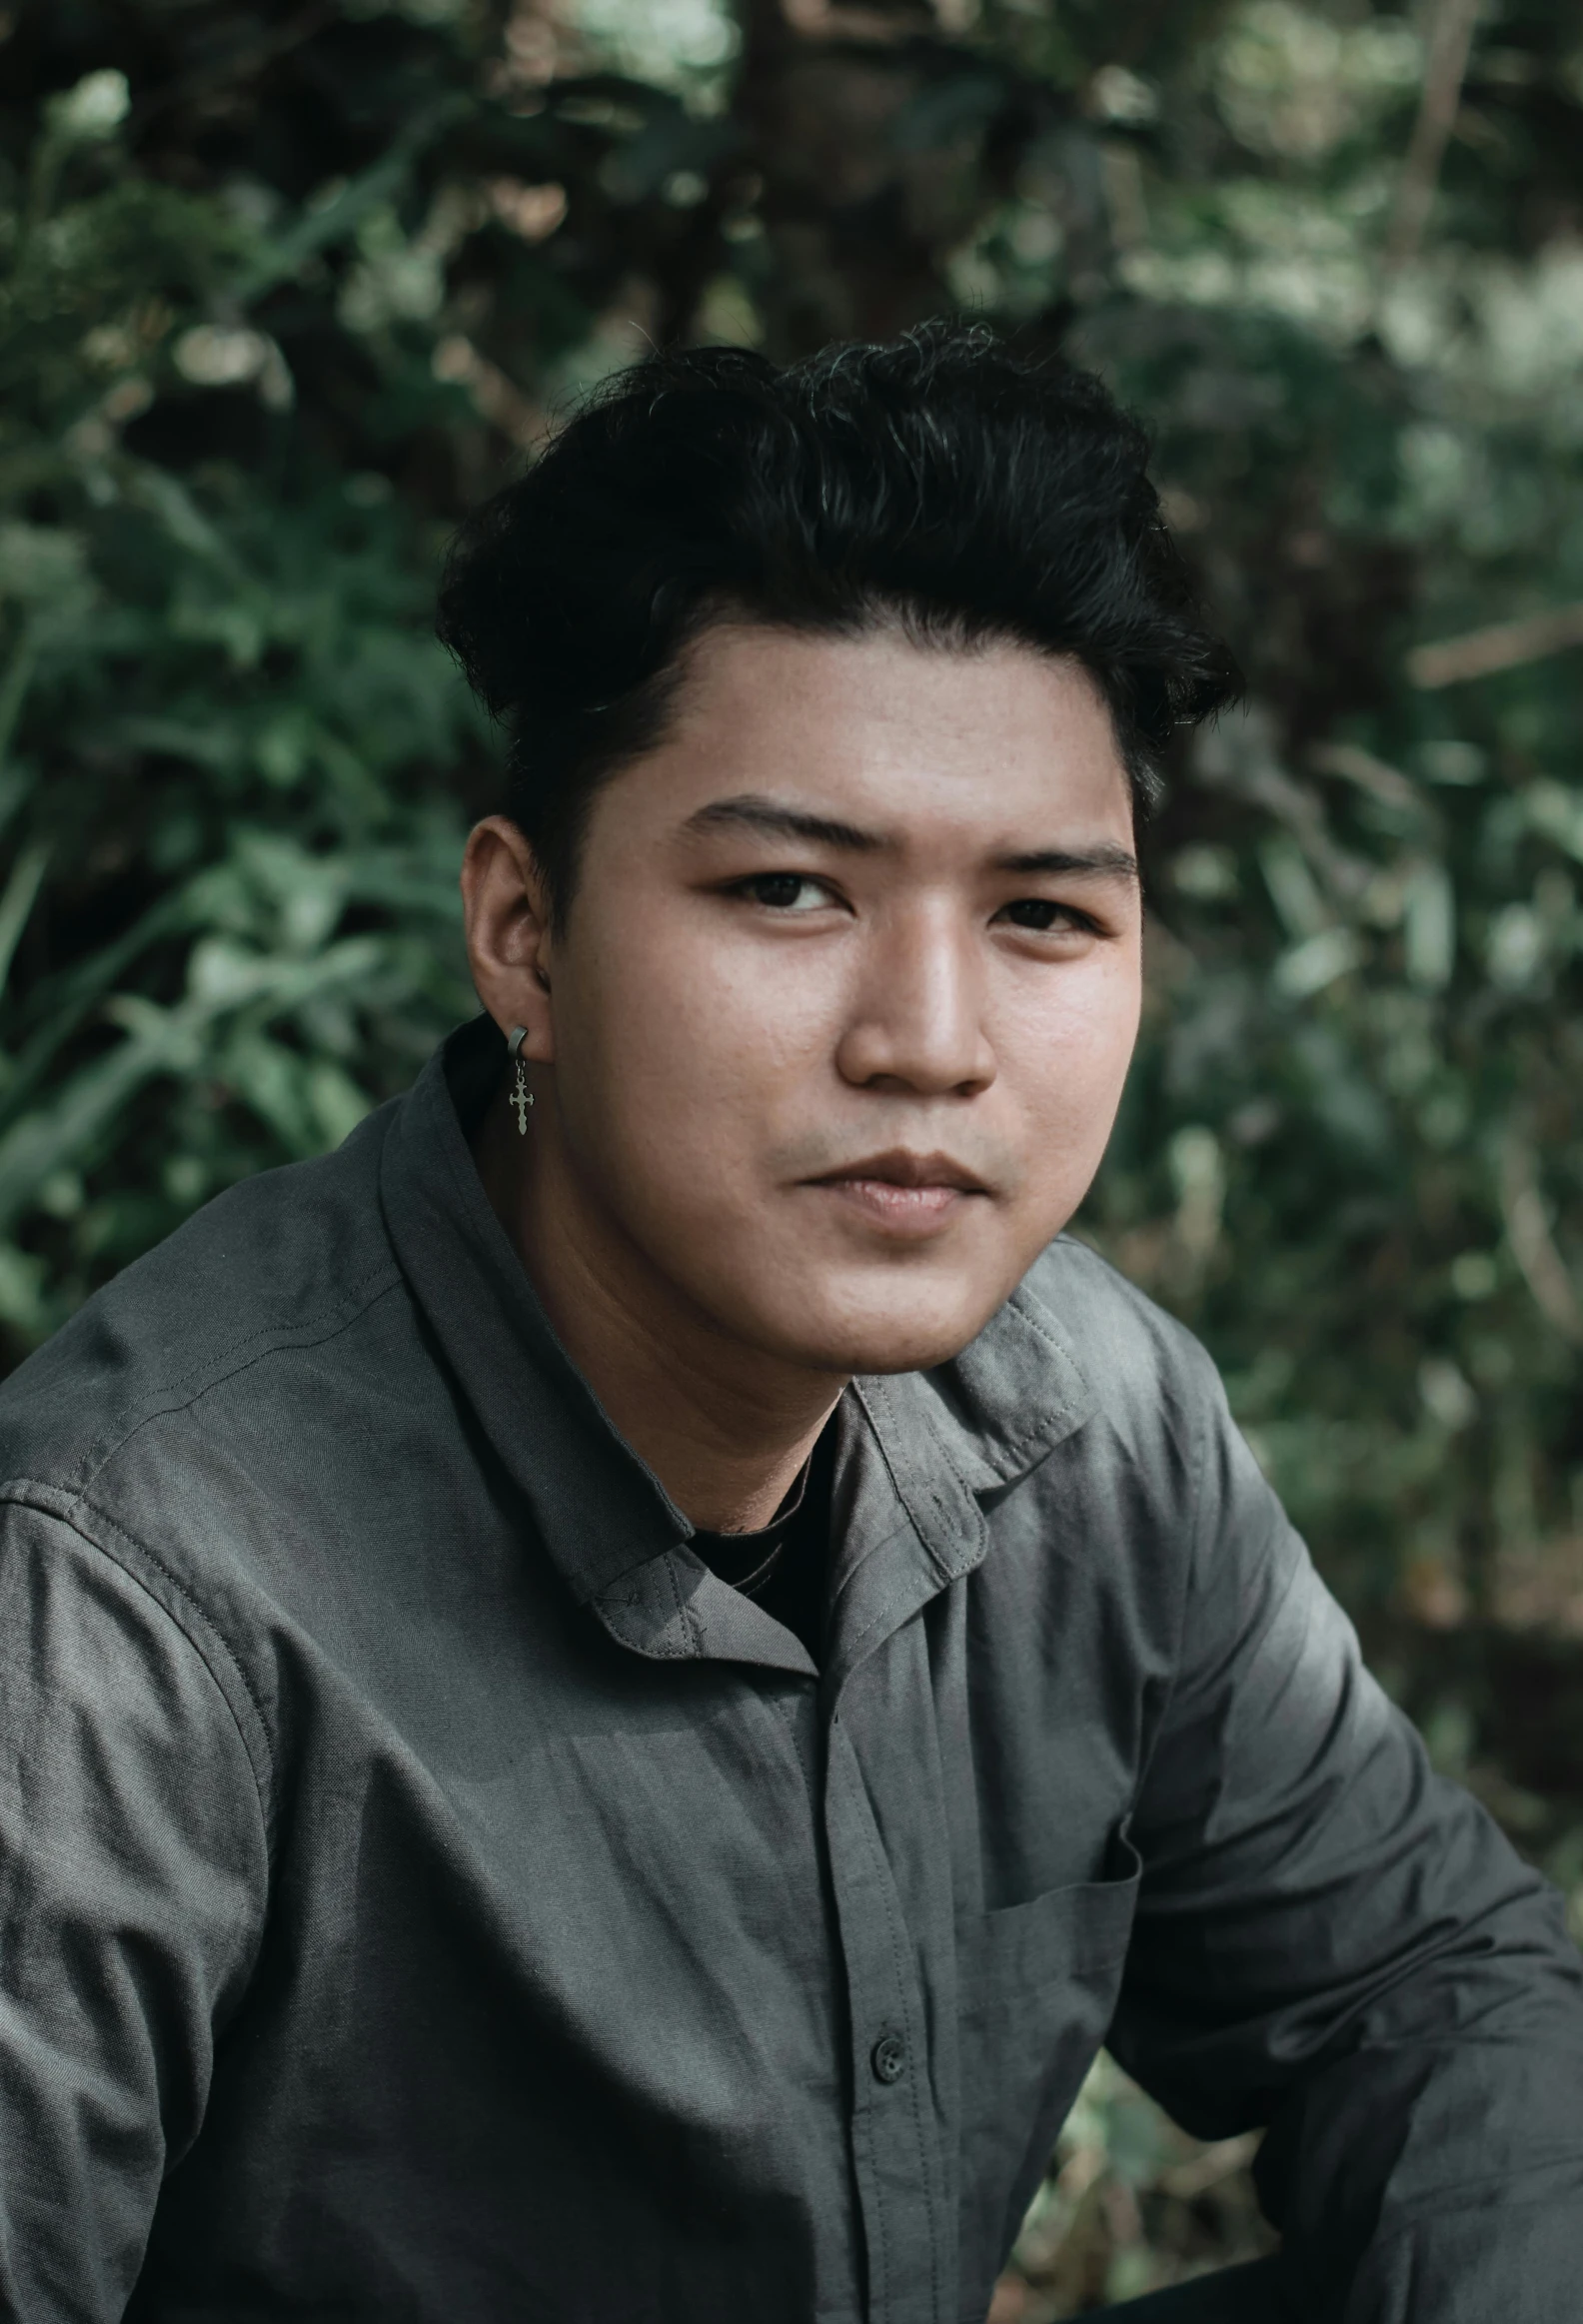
x=941, y=482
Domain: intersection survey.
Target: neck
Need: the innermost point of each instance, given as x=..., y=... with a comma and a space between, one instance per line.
x=725, y=1427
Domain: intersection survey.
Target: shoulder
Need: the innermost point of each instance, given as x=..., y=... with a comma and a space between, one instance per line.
x=1128, y=1347
x=1081, y=1362
x=1076, y=1344
x=282, y=1261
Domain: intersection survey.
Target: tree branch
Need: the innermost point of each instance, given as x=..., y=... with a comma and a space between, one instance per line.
x=1504, y=645
x=1533, y=1245
x=1450, y=43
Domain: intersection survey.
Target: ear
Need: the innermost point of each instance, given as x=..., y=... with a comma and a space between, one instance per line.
x=506, y=909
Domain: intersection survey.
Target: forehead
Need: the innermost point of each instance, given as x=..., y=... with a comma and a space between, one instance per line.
x=985, y=739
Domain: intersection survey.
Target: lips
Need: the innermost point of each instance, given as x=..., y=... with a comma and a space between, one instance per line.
x=902, y=1192
x=900, y=1168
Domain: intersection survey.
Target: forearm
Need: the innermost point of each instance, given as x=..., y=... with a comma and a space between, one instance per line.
x=1433, y=2174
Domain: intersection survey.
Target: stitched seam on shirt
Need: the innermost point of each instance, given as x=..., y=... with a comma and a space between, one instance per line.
x=789, y=1706
x=1039, y=1433
x=1034, y=1435
x=64, y=1517
x=961, y=1479
x=203, y=1615
x=877, y=1622
x=685, y=1615
x=872, y=1839
x=308, y=1335
x=651, y=1647
x=1200, y=1467
x=878, y=2206
x=631, y=1600
x=946, y=1573
x=890, y=1469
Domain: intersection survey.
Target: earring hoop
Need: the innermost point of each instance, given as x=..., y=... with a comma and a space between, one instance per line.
x=522, y=1096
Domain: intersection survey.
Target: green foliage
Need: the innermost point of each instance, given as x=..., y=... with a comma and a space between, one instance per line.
x=284, y=293
x=1353, y=1151
x=1130, y=2204
x=278, y=307
x=229, y=917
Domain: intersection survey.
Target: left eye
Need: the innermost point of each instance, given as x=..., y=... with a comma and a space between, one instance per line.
x=1040, y=913
x=787, y=891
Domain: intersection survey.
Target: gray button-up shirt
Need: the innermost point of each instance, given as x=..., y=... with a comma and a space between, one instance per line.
x=428, y=1893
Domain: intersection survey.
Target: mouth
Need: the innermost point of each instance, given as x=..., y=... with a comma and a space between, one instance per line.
x=905, y=1192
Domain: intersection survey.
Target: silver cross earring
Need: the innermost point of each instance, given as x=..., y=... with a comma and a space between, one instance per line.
x=522, y=1096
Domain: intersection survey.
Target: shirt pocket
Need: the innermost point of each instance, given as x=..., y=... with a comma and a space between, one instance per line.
x=1036, y=1986
x=1063, y=1934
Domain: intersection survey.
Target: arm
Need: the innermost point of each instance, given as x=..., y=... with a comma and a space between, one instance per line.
x=132, y=1876
x=1335, y=1941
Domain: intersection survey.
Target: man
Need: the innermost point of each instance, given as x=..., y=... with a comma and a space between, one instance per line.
x=608, y=1693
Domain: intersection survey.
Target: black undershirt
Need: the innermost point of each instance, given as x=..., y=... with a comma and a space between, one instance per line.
x=795, y=1547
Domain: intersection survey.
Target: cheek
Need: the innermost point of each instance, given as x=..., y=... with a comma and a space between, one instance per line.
x=1069, y=1054
x=676, y=1049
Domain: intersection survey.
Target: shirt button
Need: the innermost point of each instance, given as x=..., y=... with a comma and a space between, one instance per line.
x=888, y=2059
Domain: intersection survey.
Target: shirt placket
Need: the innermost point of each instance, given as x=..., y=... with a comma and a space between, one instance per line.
x=895, y=2152
x=899, y=1549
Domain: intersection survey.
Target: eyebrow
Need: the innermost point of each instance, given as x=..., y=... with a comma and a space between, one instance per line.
x=1105, y=861
x=761, y=815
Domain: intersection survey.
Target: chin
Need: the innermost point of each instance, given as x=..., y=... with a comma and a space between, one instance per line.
x=907, y=1338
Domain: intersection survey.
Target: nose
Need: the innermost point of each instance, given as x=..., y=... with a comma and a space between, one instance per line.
x=917, y=1020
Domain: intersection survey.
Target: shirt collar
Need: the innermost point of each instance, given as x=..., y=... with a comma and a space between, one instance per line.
x=1008, y=1400
x=600, y=1509
x=617, y=1540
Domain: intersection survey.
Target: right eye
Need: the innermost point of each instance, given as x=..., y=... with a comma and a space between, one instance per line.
x=787, y=891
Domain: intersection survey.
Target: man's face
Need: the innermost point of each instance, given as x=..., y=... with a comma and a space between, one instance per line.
x=848, y=991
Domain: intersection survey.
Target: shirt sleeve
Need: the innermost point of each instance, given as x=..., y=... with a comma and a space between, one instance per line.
x=1333, y=1941
x=132, y=1879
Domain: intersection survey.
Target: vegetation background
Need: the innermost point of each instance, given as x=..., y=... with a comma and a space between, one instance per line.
x=286, y=287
